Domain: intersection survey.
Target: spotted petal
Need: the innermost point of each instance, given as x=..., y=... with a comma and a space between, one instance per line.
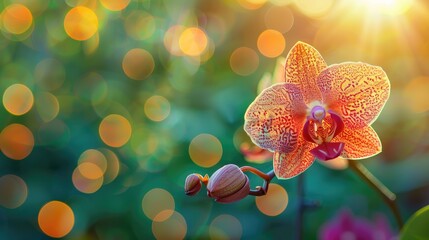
x=289, y=165
x=275, y=119
x=362, y=143
x=303, y=65
x=357, y=91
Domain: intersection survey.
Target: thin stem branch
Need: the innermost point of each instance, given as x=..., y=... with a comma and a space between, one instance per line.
x=388, y=196
x=259, y=191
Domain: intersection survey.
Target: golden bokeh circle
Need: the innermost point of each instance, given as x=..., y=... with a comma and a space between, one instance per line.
x=157, y=200
x=244, y=61
x=274, y=202
x=271, y=43
x=90, y=170
x=279, y=18
x=157, y=108
x=252, y=4
x=95, y=157
x=115, y=130
x=113, y=165
x=16, y=141
x=314, y=9
x=13, y=191
x=16, y=18
x=193, y=41
x=140, y=25
x=84, y=184
x=138, y=64
x=81, y=23
x=47, y=106
x=205, y=150
x=56, y=219
x=18, y=99
x=115, y=5
x=225, y=226
x=172, y=228
x=171, y=39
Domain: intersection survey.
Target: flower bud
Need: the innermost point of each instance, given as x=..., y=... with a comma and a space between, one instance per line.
x=228, y=184
x=192, y=184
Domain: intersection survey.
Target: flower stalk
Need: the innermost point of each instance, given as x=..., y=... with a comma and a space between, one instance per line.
x=388, y=196
x=260, y=190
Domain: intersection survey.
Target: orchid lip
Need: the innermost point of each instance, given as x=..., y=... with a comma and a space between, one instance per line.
x=314, y=131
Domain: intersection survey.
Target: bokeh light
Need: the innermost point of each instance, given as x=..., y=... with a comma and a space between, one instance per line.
x=13, y=191
x=172, y=228
x=205, y=150
x=389, y=7
x=171, y=39
x=281, y=2
x=144, y=142
x=138, y=64
x=81, y=23
x=244, y=61
x=271, y=43
x=16, y=18
x=18, y=99
x=157, y=108
x=314, y=9
x=85, y=184
x=90, y=170
x=110, y=104
x=415, y=94
x=252, y=4
x=115, y=130
x=56, y=219
x=140, y=25
x=47, y=106
x=274, y=202
x=156, y=201
x=225, y=226
x=113, y=165
x=193, y=41
x=279, y=18
x=115, y=5
x=96, y=158
x=16, y=141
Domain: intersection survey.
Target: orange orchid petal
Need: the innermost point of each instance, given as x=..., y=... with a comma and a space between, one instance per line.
x=360, y=143
x=303, y=65
x=275, y=119
x=289, y=165
x=357, y=91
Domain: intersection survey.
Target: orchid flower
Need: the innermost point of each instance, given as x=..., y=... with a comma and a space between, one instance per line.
x=319, y=111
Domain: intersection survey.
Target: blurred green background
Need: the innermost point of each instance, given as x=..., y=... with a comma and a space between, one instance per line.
x=107, y=106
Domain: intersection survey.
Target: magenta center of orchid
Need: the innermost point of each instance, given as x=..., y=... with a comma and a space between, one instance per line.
x=321, y=129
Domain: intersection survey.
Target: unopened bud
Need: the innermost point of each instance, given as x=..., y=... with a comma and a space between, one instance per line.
x=228, y=184
x=192, y=184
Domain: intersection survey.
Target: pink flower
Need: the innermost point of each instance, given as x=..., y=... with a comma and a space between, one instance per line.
x=319, y=111
x=346, y=226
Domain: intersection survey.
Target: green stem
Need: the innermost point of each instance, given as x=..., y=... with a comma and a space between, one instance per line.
x=388, y=196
